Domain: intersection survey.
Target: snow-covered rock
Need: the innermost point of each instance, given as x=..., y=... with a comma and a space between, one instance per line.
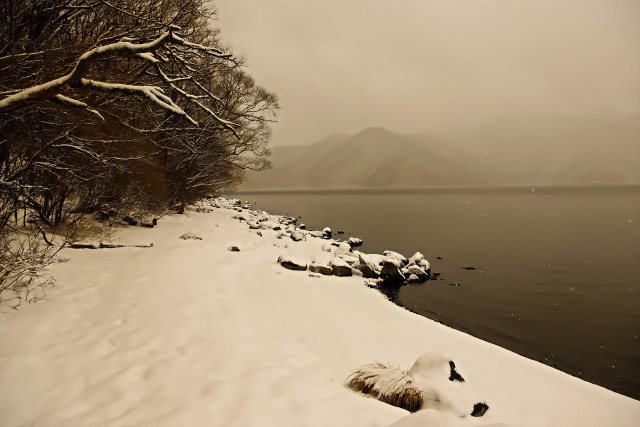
x=413, y=269
x=391, y=269
x=327, y=233
x=297, y=235
x=425, y=265
x=371, y=264
x=342, y=249
x=190, y=236
x=349, y=258
x=292, y=263
x=340, y=267
x=320, y=268
x=149, y=221
x=396, y=255
x=354, y=242
x=416, y=258
x=432, y=371
x=413, y=279
x=368, y=267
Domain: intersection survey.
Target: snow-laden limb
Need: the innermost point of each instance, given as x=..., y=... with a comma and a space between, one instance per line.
x=154, y=93
x=32, y=92
x=148, y=56
x=70, y=102
x=144, y=51
x=44, y=88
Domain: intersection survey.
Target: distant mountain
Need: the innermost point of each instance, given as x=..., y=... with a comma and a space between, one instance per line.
x=373, y=158
x=512, y=151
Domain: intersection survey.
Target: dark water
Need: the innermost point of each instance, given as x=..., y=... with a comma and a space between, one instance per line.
x=557, y=271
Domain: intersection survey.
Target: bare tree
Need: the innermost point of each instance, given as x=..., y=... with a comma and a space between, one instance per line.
x=120, y=104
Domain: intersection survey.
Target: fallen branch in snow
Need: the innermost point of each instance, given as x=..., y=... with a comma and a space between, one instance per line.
x=79, y=245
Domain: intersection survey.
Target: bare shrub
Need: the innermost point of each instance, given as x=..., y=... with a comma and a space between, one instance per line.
x=24, y=258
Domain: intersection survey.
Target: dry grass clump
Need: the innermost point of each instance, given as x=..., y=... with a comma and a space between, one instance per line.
x=388, y=384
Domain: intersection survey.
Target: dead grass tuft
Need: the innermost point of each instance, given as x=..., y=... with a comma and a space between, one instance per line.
x=388, y=384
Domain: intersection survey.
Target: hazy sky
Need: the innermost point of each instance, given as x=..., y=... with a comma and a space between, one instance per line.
x=420, y=66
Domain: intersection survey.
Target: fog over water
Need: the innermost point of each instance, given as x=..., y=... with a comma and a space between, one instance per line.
x=439, y=67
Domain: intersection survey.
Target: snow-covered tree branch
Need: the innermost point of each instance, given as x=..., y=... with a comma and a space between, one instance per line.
x=55, y=88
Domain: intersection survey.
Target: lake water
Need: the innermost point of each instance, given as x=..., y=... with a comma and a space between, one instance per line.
x=556, y=271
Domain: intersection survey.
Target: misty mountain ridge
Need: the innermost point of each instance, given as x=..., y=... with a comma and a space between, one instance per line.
x=505, y=153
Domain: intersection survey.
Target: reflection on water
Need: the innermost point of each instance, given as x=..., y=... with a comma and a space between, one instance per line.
x=551, y=274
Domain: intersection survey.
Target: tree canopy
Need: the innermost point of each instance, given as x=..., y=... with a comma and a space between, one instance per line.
x=121, y=102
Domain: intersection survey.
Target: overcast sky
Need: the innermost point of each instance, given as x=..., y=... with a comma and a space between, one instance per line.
x=421, y=66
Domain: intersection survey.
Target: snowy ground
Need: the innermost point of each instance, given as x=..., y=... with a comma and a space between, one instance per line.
x=190, y=333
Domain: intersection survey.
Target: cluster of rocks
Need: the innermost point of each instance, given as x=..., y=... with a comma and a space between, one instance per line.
x=389, y=267
x=345, y=260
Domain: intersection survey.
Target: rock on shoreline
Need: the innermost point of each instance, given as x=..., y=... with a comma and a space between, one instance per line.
x=337, y=257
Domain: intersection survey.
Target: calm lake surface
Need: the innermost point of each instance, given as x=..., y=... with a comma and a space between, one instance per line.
x=557, y=271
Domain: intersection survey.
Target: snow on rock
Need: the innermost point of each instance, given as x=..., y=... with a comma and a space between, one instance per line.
x=297, y=235
x=419, y=260
x=149, y=221
x=433, y=373
x=368, y=266
x=292, y=263
x=355, y=241
x=317, y=234
x=413, y=279
x=414, y=270
x=391, y=268
x=396, y=255
x=342, y=249
x=320, y=268
x=340, y=267
x=327, y=232
x=416, y=258
x=349, y=258
x=190, y=236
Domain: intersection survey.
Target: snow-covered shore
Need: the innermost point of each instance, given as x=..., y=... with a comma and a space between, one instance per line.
x=187, y=332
